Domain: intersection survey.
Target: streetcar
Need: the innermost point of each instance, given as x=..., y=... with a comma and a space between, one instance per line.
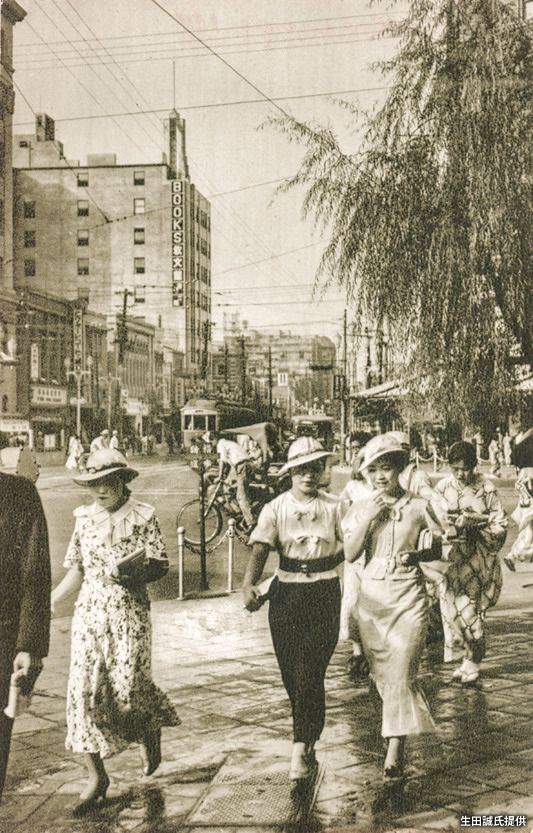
x=201, y=415
x=319, y=426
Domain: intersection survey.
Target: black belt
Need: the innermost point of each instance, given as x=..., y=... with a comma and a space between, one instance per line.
x=311, y=565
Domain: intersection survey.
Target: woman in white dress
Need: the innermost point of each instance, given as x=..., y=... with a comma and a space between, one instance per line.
x=303, y=525
x=111, y=698
x=392, y=605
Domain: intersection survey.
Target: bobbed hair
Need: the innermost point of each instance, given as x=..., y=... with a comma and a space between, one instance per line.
x=463, y=452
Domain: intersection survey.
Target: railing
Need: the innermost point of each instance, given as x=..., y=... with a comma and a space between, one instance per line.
x=229, y=535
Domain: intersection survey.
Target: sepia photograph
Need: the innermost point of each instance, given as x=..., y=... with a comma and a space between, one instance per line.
x=266, y=423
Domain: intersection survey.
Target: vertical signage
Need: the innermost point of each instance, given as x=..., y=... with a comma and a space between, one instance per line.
x=77, y=338
x=178, y=243
x=34, y=362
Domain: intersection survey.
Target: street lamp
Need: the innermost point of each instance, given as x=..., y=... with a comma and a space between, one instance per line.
x=78, y=376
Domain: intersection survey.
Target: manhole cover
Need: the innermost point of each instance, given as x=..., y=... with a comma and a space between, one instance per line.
x=245, y=804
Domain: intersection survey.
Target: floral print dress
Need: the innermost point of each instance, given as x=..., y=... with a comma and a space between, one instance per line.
x=111, y=699
x=474, y=579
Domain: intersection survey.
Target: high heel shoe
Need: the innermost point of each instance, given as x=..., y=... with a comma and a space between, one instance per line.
x=90, y=798
x=151, y=752
x=470, y=673
x=393, y=771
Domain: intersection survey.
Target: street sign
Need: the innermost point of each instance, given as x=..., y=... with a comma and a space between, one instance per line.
x=74, y=400
x=339, y=386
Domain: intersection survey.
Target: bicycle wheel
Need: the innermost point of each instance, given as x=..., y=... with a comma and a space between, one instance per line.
x=189, y=519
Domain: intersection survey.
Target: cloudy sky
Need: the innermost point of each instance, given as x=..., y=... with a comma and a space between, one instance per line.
x=108, y=72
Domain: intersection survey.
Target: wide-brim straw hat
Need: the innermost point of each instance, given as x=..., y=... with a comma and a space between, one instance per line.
x=378, y=447
x=304, y=450
x=102, y=464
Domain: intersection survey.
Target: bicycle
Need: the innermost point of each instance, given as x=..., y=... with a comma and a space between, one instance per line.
x=220, y=500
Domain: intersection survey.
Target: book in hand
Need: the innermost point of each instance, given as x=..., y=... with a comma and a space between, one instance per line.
x=131, y=562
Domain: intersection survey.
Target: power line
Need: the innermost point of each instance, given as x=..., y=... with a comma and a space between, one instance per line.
x=220, y=104
x=67, y=165
x=94, y=71
x=246, y=26
x=173, y=56
x=290, y=37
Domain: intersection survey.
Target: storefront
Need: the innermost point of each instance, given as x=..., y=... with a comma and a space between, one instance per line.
x=15, y=429
x=48, y=416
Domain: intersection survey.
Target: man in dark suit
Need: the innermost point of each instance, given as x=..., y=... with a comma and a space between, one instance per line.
x=24, y=591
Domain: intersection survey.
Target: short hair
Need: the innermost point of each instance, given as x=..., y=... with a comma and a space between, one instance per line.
x=463, y=451
x=397, y=459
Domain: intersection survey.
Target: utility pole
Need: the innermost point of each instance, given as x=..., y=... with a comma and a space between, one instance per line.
x=270, y=382
x=243, y=370
x=122, y=339
x=226, y=363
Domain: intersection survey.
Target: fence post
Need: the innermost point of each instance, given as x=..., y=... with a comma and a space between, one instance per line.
x=417, y=459
x=181, y=548
x=231, y=538
x=434, y=459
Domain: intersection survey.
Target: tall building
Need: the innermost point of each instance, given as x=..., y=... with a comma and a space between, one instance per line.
x=11, y=418
x=133, y=239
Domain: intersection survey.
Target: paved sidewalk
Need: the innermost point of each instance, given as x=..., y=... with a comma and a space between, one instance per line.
x=225, y=768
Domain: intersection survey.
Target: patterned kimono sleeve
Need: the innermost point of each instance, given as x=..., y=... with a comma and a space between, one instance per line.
x=73, y=558
x=438, y=502
x=495, y=532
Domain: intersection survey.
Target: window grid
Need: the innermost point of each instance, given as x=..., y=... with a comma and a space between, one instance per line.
x=139, y=205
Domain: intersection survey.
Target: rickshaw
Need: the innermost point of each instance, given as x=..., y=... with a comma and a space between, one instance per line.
x=220, y=498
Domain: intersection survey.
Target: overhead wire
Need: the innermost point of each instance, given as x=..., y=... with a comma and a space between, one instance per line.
x=120, y=127
x=246, y=26
x=184, y=107
x=177, y=57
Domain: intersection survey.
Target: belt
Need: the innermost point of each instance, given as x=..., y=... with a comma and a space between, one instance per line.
x=311, y=565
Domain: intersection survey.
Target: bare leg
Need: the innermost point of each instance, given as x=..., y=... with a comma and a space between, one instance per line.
x=96, y=785
x=394, y=758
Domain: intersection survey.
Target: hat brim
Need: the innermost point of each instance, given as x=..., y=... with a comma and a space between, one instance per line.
x=376, y=456
x=303, y=460
x=126, y=473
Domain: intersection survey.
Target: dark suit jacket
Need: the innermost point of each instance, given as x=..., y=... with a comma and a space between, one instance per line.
x=24, y=567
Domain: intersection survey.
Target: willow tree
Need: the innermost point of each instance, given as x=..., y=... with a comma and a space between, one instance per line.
x=430, y=222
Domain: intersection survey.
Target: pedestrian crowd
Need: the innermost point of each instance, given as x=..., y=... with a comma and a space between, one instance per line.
x=406, y=546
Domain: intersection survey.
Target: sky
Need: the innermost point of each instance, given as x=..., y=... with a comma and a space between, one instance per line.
x=109, y=71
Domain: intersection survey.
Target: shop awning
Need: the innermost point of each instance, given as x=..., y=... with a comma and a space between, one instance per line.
x=386, y=390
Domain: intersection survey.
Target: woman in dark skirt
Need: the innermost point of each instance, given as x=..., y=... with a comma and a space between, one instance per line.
x=303, y=526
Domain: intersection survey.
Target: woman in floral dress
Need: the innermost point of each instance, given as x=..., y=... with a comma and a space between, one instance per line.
x=477, y=526
x=111, y=698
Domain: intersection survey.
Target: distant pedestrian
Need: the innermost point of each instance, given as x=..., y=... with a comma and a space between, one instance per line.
x=303, y=526
x=170, y=443
x=507, y=448
x=470, y=507
x=101, y=441
x=75, y=452
x=495, y=457
x=116, y=549
x=114, y=441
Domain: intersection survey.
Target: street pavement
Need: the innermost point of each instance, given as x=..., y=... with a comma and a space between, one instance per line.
x=226, y=767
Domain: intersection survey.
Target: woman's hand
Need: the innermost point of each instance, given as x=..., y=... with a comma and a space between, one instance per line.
x=251, y=595
x=375, y=507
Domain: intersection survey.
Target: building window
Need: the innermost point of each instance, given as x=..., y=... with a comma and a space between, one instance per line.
x=139, y=206
x=138, y=235
x=29, y=210
x=83, y=266
x=5, y=403
x=139, y=266
x=83, y=179
x=29, y=239
x=29, y=268
x=140, y=294
x=83, y=208
x=528, y=10
x=138, y=177
x=83, y=237
x=23, y=144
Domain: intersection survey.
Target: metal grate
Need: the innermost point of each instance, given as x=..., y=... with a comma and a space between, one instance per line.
x=245, y=804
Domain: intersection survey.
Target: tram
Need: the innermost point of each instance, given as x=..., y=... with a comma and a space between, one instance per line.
x=319, y=426
x=201, y=415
